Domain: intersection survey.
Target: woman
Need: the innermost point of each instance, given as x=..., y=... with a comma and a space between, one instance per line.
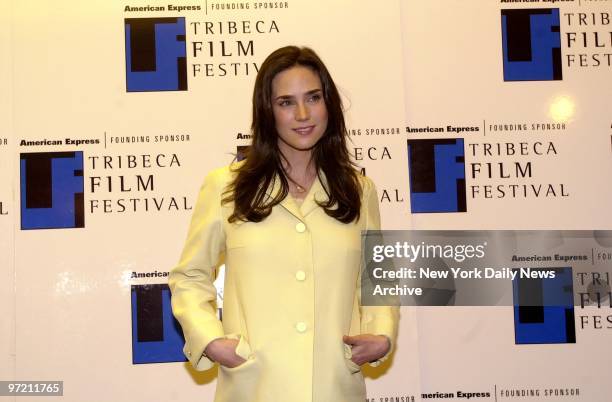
x=289, y=219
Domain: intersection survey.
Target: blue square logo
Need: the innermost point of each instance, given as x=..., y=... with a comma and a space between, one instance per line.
x=437, y=175
x=241, y=152
x=156, y=335
x=544, y=309
x=51, y=189
x=531, y=41
x=155, y=54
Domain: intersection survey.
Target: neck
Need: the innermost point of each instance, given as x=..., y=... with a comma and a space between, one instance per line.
x=298, y=164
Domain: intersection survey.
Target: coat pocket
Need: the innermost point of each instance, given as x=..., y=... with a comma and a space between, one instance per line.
x=243, y=349
x=351, y=365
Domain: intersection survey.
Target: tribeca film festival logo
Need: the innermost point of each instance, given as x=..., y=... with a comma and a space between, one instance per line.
x=52, y=190
x=531, y=41
x=155, y=54
x=437, y=175
x=156, y=335
x=544, y=309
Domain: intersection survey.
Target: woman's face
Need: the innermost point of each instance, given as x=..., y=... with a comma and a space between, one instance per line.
x=299, y=109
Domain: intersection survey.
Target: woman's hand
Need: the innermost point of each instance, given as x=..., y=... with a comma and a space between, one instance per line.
x=223, y=351
x=367, y=347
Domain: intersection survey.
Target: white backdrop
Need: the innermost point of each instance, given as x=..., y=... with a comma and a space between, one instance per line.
x=66, y=299
x=7, y=211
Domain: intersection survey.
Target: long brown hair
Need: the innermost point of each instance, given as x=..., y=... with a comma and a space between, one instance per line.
x=263, y=158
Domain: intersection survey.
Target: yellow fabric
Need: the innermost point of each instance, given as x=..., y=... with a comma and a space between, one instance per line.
x=291, y=292
x=298, y=201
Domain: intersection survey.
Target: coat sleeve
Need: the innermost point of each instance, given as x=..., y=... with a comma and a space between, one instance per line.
x=191, y=281
x=377, y=320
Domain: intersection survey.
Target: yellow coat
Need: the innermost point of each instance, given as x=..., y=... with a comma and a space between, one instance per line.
x=291, y=292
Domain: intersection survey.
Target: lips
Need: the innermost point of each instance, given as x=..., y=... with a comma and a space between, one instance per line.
x=304, y=130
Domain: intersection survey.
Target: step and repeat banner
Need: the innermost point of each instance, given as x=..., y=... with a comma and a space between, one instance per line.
x=7, y=206
x=467, y=114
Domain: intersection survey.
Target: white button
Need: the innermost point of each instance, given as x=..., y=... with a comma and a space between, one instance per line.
x=300, y=326
x=300, y=227
x=300, y=275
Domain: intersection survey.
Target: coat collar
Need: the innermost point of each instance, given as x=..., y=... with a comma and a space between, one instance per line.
x=316, y=193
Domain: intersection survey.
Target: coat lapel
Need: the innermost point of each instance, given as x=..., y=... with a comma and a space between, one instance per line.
x=316, y=193
x=287, y=203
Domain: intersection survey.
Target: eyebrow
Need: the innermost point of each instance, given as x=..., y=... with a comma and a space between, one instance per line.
x=311, y=92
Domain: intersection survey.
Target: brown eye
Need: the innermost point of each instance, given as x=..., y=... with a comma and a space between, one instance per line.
x=315, y=98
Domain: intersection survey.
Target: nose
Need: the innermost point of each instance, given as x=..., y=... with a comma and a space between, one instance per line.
x=302, y=112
